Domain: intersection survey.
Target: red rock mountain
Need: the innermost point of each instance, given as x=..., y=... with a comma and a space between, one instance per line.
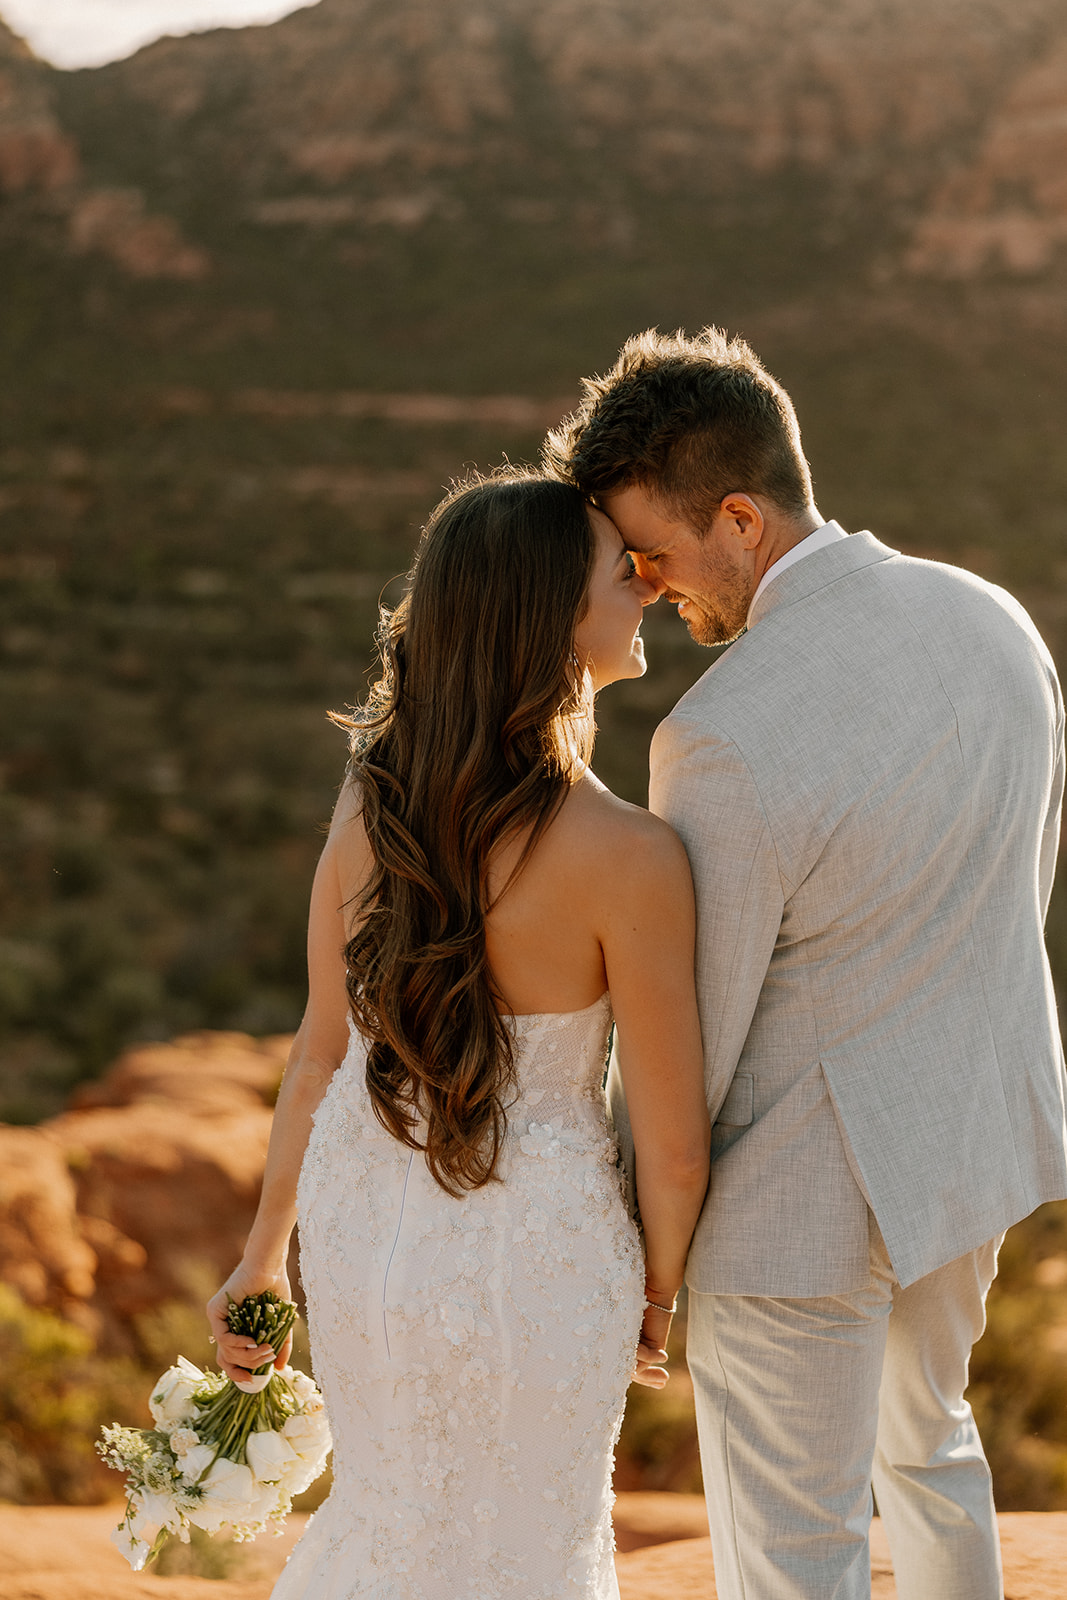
x=948, y=117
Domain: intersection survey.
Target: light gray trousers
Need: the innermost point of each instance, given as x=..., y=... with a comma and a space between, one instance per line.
x=802, y=1404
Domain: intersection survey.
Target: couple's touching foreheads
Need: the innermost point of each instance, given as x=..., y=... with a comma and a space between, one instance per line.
x=817, y=961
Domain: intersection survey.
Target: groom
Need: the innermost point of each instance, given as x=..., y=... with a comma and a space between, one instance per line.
x=868, y=784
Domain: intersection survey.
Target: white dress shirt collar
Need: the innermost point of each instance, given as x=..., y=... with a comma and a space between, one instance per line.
x=827, y=534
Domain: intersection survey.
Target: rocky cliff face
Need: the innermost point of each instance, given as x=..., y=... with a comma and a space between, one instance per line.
x=941, y=118
x=749, y=86
x=46, y=195
x=1006, y=204
x=35, y=153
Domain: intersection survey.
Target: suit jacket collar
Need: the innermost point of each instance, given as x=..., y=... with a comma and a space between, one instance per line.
x=805, y=577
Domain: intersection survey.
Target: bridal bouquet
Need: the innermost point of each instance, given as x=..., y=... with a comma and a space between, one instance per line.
x=220, y=1453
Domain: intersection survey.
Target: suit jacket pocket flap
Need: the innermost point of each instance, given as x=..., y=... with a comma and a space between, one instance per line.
x=738, y=1105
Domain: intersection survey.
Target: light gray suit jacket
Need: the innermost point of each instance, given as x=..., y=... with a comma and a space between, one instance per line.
x=868, y=784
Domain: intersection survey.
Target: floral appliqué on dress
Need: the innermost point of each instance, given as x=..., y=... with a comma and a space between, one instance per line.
x=474, y=1353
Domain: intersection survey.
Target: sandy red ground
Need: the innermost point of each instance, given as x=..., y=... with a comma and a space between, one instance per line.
x=64, y=1553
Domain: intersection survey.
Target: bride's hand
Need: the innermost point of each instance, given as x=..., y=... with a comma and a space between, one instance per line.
x=649, y=1368
x=238, y=1356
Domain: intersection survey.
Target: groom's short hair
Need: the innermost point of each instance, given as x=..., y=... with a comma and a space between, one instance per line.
x=690, y=420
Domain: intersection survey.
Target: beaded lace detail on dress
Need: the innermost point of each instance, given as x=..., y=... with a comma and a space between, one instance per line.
x=474, y=1353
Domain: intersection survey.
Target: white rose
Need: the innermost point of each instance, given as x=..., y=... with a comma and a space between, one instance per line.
x=171, y=1399
x=309, y=1435
x=269, y=1455
x=135, y=1550
x=303, y=1387
x=206, y=1516
x=229, y=1486
x=150, y=1512
x=196, y=1461
x=232, y=1495
x=271, y=1502
x=300, y=1475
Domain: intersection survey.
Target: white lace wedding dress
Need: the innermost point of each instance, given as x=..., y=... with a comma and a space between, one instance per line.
x=474, y=1353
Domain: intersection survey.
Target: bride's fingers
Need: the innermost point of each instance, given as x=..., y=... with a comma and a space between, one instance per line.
x=651, y=1377
x=238, y=1354
x=238, y=1350
x=235, y=1373
x=651, y=1352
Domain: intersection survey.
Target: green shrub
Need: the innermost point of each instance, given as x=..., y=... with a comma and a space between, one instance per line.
x=55, y=1393
x=1019, y=1368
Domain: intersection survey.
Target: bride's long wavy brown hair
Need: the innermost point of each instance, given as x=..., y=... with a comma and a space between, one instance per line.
x=472, y=736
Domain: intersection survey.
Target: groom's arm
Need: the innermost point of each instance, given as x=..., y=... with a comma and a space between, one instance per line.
x=701, y=785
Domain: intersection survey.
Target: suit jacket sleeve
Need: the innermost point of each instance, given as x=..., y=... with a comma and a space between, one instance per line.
x=702, y=786
x=1051, y=836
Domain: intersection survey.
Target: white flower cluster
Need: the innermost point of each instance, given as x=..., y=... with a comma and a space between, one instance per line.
x=215, y=1456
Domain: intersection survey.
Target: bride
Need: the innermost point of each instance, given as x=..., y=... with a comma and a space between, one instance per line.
x=478, y=1297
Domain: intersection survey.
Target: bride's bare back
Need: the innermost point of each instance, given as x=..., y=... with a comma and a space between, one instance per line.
x=552, y=928
x=544, y=934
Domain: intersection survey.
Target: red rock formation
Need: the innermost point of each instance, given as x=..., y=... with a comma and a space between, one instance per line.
x=372, y=114
x=35, y=158
x=382, y=95
x=153, y=1175
x=43, y=1251
x=114, y=222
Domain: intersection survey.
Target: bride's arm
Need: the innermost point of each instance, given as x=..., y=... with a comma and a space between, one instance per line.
x=648, y=944
x=317, y=1051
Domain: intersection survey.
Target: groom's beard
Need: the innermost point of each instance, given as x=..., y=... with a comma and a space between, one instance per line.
x=718, y=616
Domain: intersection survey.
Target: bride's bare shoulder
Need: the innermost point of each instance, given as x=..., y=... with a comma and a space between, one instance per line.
x=622, y=837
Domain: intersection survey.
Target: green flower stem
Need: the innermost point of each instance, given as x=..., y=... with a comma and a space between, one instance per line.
x=232, y=1415
x=266, y=1318
x=157, y=1543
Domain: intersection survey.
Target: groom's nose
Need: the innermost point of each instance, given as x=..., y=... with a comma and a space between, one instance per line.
x=646, y=571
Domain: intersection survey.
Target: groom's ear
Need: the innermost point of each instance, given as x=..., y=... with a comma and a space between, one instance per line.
x=741, y=519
